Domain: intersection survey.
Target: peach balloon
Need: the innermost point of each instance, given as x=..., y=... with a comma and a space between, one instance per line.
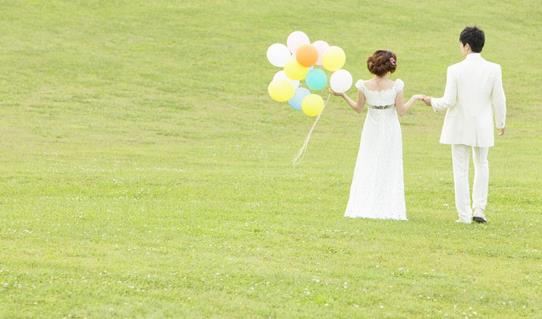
x=306, y=55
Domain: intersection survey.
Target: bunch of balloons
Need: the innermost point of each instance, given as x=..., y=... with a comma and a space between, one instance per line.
x=302, y=60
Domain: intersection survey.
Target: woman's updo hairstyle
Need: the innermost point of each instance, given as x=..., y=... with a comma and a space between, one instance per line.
x=382, y=62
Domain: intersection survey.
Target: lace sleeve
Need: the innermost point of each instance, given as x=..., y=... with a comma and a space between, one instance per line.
x=360, y=85
x=399, y=85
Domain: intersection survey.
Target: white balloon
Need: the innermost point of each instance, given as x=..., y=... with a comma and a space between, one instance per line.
x=340, y=81
x=321, y=46
x=297, y=39
x=278, y=54
x=282, y=75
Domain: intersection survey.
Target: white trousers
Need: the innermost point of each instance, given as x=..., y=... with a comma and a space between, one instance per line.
x=460, y=159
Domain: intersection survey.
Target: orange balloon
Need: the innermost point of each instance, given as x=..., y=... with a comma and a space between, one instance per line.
x=306, y=55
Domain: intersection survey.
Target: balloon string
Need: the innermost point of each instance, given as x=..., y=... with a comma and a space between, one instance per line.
x=301, y=153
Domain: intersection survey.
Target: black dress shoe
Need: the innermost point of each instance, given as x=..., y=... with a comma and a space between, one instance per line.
x=479, y=220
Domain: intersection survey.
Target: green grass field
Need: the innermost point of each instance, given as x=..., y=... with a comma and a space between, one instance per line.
x=145, y=173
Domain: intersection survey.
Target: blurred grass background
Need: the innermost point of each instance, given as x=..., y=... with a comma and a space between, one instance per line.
x=144, y=171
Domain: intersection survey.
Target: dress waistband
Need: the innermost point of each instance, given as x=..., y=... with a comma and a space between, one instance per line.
x=381, y=107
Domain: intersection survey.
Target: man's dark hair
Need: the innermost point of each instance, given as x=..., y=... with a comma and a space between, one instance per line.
x=474, y=37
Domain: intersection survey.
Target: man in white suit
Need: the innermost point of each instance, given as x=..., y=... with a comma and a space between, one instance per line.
x=473, y=99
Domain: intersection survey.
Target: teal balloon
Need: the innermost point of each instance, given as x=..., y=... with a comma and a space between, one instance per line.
x=316, y=79
x=300, y=93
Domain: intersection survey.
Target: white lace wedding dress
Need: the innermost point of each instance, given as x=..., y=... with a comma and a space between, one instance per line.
x=377, y=189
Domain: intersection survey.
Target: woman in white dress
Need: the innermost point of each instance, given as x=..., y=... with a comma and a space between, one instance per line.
x=377, y=189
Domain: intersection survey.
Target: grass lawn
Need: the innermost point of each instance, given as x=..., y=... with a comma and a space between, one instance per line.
x=145, y=173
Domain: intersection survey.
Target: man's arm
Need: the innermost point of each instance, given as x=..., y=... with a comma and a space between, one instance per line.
x=498, y=101
x=450, y=94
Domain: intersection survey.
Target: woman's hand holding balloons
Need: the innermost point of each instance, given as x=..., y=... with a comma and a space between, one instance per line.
x=335, y=93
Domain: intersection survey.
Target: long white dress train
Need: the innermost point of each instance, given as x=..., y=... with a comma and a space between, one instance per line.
x=377, y=189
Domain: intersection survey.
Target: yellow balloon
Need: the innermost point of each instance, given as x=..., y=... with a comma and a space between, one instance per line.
x=294, y=70
x=312, y=105
x=281, y=90
x=333, y=59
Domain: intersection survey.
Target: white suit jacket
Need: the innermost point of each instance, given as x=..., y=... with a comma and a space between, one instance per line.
x=473, y=97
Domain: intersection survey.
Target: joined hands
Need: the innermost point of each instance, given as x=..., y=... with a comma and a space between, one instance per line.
x=427, y=100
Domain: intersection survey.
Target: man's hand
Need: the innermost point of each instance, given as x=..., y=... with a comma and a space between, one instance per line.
x=427, y=100
x=501, y=131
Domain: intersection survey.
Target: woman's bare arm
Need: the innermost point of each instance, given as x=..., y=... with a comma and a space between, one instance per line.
x=402, y=107
x=355, y=105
